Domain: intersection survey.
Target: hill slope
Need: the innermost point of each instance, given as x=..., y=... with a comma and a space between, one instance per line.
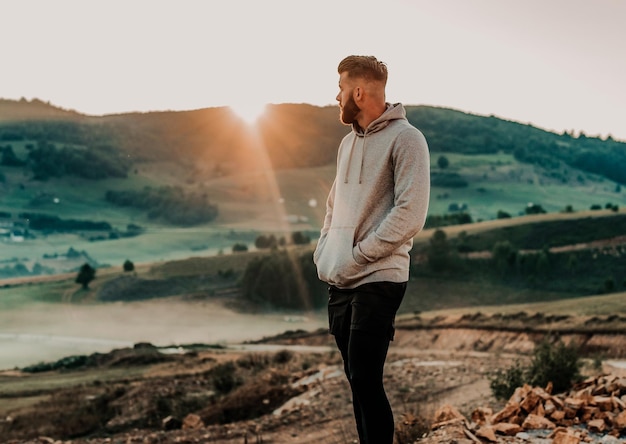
x=273, y=178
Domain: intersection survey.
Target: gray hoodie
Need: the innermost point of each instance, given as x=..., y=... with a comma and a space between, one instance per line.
x=377, y=204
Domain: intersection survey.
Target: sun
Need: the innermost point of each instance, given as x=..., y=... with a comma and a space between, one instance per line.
x=249, y=111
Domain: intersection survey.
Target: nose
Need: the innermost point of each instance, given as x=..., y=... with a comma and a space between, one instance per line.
x=338, y=97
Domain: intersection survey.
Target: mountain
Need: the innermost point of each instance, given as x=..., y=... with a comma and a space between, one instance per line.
x=165, y=185
x=297, y=136
x=16, y=110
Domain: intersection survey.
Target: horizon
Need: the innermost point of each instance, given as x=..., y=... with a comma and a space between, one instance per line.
x=552, y=65
x=251, y=117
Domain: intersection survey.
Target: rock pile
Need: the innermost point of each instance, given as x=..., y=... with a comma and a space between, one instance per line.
x=594, y=406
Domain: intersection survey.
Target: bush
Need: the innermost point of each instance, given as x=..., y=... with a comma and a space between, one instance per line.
x=224, y=378
x=128, y=266
x=554, y=363
x=239, y=247
x=504, y=382
x=282, y=280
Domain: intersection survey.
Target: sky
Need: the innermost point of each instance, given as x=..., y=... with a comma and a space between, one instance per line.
x=556, y=64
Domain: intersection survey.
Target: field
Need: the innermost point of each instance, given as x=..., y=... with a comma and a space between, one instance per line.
x=263, y=202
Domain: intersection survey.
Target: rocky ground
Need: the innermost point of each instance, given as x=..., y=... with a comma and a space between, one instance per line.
x=294, y=391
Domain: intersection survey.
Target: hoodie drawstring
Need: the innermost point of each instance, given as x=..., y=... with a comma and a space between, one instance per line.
x=350, y=160
x=362, y=157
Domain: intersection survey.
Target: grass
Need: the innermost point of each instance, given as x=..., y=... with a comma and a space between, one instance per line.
x=48, y=292
x=598, y=305
x=257, y=203
x=499, y=182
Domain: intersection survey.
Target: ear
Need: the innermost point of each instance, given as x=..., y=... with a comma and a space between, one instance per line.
x=357, y=93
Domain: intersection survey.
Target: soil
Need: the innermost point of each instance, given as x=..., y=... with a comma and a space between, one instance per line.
x=431, y=364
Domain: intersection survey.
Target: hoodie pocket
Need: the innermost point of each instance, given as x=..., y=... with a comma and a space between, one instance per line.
x=334, y=259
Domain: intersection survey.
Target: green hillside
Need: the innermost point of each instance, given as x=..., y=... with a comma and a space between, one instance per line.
x=526, y=260
x=104, y=189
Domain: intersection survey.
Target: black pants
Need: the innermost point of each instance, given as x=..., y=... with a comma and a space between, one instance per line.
x=362, y=321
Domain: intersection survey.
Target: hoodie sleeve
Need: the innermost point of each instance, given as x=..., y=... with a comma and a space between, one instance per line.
x=411, y=166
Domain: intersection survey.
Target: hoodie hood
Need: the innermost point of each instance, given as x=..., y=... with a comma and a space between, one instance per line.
x=393, y=112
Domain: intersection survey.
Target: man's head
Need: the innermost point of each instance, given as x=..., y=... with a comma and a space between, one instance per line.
x=362, y=81
x=364, y=67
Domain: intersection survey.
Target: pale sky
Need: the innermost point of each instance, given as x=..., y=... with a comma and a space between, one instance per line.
x=557, y=64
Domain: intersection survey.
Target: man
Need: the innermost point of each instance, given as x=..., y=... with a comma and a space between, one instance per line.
x=377, y=204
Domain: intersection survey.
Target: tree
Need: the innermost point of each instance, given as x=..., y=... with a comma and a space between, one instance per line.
x=9, y=158
x=300, y=238
x=439, y=251
x=282, y=280
x=86, y=274
x=503, y=256
x=533, y=208
x=129, y=266
x=264, y=241
x=239, y=247
x=443, y=162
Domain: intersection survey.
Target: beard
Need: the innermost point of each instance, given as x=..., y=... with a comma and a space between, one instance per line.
x=349, y=111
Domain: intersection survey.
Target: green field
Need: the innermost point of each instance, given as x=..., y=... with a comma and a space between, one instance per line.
x=499, y=182
x=261, y=202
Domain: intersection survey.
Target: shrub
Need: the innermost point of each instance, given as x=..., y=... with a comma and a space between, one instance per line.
x=282, y=280
x=554, y=363
x=128, y=265
x=224, y=378
x=239, y=247
x=504, y=382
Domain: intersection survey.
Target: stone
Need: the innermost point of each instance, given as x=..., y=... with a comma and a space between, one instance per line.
x=565, y=437
x=534, y=422
x=570, y=413
x=619, y=422
x=192, y=421
x=588, y=413
x=539, y=410
x=557, y=402
x=573, y=403
x=446, y=413
x=596, y=425
x=558, y=415
x=549, y=407
x=481, y=415
x=604, y=403
x=529, y=403
x=507, y=429
x=510, y=410
x=620, y=384
x=520, y=393
x=486, y=432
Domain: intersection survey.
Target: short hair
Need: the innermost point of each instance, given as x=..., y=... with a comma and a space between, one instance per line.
x=365, y=67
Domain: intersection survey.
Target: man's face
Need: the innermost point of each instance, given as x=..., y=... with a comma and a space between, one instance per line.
x=348, y=108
